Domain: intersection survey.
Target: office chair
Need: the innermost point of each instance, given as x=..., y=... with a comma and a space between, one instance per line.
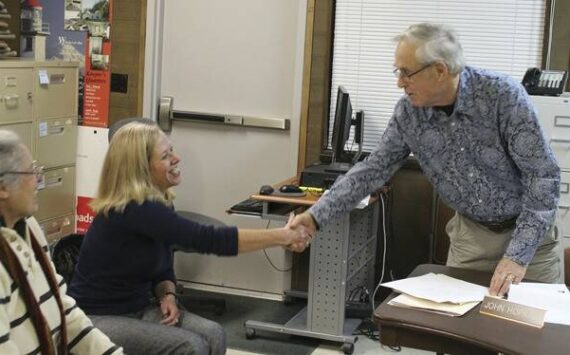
x=64, y=255
x=217, y=304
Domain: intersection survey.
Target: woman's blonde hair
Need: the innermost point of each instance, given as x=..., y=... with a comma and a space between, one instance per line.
x=126, y=174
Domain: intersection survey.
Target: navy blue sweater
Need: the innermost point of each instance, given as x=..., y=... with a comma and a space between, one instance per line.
x=124, y=255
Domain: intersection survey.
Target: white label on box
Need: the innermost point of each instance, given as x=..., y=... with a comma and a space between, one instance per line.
x=43, y=129
x=44, y=78
x=41, y=184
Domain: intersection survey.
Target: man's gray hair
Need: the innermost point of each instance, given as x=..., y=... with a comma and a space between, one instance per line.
x=11, y=156
x=435, y=43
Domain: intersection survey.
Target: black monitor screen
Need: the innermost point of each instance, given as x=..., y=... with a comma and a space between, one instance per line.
x=342, y=122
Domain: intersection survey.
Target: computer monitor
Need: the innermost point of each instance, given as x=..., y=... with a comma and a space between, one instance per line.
x=341, y=132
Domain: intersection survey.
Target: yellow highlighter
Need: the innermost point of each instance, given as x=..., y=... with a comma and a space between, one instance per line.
x=312, y=189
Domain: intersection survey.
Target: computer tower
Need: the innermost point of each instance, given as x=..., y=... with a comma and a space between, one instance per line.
x=318, y=175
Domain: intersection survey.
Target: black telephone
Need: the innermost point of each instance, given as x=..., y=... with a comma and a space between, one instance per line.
x=544, y=82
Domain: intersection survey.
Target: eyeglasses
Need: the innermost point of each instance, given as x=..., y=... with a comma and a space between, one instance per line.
x=37, y=170
x=404, y=75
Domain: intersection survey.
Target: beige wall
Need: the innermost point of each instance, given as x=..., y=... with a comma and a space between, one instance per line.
x=128, y=41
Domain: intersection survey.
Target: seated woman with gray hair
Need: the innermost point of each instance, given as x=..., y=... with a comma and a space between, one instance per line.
x=126, y=256
x=36, y=315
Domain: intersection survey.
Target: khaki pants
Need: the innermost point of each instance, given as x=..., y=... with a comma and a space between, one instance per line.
x=475, y=247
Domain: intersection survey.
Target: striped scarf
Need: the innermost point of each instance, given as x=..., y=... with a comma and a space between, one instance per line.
x=12, y=265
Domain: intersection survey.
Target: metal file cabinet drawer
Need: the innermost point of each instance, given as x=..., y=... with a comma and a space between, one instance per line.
x=564, y=189
x=16, y=95
x=561, y=149
x=57, y=228
x=56, y=141
x=57, y=195
x=561, y=125
x=57, y=98
x=564, y=207
x=23, y=130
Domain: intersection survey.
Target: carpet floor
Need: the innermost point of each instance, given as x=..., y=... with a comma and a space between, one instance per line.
x=240, y=309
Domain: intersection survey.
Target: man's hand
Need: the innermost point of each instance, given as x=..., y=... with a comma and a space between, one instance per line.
x=305, y=219
x=506, y=273
x=170, y=311
x=299, y=236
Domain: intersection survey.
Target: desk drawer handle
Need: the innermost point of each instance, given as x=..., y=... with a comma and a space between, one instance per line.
x=564, y=207
x=559, y=140
x=53, y=230
x=11, y=97
x=562, y=121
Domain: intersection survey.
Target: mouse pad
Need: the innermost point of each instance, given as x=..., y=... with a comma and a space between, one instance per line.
x=288, y=194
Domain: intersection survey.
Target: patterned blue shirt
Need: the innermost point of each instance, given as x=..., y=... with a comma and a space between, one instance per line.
x=488, y=160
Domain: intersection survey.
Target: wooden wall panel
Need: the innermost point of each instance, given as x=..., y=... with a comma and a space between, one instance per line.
x=316, y=81
x=128, y=28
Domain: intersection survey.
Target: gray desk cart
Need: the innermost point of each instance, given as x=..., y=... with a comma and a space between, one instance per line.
x=342, y=258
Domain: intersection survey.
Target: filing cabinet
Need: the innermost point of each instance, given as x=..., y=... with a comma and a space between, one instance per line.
x=59, y=227
x=57, y=192
x=554, y=116
x=15, y=94
x=56, y=141
x=23, y=130
x=38, y=101
x=62, y=88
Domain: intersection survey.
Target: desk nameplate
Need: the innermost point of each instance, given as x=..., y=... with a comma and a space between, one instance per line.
x=515, y=312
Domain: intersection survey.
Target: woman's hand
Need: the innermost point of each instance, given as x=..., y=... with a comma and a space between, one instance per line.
x=170, y=311
x=298, y=237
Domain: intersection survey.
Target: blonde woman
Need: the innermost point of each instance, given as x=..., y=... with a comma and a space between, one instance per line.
x=126, y=255
x=36, y=315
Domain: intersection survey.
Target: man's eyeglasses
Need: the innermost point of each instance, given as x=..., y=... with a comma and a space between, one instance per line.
x=404, y=75
x=37, y=170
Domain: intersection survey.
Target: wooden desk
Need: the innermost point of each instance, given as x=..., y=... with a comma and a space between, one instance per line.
x=302, y=202
x=473, y=333
x=308, y=200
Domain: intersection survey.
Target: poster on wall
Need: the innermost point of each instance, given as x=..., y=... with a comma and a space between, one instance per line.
x=78, y=13
x=97, y=81
x=64, y=45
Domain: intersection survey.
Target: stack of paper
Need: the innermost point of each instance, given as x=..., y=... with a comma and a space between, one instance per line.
x=446, y=308
x=554, y=298
x=437, y=293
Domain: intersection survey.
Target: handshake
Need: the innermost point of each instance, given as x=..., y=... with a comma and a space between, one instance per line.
x=299, y=232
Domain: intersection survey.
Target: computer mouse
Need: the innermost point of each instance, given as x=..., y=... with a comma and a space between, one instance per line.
x=266, y=190
x=287, y=189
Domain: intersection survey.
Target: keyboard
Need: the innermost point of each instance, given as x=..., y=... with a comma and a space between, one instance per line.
x=249, y=206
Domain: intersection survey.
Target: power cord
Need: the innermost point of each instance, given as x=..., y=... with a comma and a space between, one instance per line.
x=383, y=251
x=269, y=259
x=368, y=329
x=359, y=294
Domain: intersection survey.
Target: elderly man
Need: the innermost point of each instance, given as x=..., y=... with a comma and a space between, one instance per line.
x=36, y=315
x=476, y=136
